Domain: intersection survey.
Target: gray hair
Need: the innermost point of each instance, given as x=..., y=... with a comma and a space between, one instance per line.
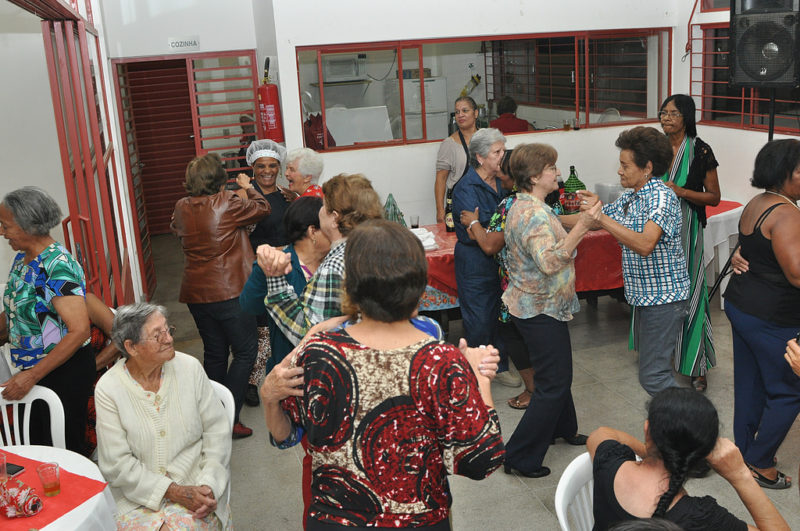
x=310, y=162
x=481, y=142
x=129, y=322
x=34, y=211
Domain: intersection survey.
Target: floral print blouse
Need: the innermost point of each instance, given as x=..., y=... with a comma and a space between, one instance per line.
x=541, y=272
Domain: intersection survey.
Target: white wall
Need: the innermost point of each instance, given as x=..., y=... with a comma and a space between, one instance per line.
x=28, y=140
x=138, y=28
x=407, y=171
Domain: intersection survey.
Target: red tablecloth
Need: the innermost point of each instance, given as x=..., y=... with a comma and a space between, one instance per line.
x=75, y=490
x=441, y=264
x=723, y=206
x=598, y=265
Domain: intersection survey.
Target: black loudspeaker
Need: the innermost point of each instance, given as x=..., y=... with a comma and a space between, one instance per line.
x=764, y=43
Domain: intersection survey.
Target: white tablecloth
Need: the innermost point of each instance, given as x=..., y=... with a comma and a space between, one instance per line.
x=96, y=513
x=716, y=243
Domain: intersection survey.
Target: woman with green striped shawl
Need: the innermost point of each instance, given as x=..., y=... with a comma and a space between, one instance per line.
x=693, y=178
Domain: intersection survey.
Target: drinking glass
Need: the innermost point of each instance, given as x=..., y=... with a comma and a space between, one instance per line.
x=50, y=478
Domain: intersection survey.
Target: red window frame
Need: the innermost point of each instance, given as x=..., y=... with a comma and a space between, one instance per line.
x=400, y=46
x=706, y=7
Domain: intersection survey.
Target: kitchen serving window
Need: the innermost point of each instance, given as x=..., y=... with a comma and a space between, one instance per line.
x=734, y=106
x=403, y=92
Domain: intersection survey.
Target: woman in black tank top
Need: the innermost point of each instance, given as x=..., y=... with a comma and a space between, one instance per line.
x=763, y=306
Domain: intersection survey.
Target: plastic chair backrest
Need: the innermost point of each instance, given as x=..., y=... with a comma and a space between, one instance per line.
x=575, y=495
x=225, y=395
x=16, y=417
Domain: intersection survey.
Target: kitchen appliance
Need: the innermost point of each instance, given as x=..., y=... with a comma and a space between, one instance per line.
x=436, y=107
x=340, y=67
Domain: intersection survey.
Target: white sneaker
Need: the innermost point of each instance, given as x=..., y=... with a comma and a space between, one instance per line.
x=508, y=379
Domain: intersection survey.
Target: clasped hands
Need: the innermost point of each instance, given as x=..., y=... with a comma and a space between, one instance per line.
x=198, y=499
x=591, y=209
x=273, y=261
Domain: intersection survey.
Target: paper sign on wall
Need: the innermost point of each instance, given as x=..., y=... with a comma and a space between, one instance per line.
x=183, y=44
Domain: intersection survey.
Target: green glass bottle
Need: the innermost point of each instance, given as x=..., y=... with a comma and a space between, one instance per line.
x=572, y=202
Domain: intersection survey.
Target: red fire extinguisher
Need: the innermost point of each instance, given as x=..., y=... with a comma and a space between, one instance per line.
x=269, y=109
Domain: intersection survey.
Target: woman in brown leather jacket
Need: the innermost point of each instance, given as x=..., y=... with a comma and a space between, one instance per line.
x=211, y=225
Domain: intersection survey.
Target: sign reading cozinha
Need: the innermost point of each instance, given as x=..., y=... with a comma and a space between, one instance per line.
x=182, y=44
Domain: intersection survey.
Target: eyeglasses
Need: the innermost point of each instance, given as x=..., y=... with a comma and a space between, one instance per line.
x=163, y=336
x=671, y=114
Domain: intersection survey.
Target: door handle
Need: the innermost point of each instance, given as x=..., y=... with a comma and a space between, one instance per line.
x=191, y=136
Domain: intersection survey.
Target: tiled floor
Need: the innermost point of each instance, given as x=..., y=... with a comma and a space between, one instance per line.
x=266, y=481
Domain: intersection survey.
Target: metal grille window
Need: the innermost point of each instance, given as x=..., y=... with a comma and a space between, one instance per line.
x=726, y=105
x=358, y=95
x=617, y=77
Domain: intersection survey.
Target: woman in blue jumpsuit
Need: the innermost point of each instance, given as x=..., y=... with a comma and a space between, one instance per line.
x=476, y=273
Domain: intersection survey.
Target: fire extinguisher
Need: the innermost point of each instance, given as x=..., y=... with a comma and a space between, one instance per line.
x=269, y=110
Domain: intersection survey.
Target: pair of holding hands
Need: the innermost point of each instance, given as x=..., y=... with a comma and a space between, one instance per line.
x=591, y=209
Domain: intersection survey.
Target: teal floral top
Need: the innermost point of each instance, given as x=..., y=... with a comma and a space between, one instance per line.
x=497, y=223
x=34, y=326
x=541, y=272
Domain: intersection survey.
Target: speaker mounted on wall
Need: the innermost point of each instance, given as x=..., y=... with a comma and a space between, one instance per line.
x=764, y=43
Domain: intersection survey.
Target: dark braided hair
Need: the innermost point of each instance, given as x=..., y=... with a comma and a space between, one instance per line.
x=684, y=426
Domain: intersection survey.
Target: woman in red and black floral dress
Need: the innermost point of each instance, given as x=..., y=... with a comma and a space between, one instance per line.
x=388, y=410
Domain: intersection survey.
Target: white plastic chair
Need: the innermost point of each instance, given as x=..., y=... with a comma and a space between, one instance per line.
x=226, y=397
x=575, y=495
x=16, y=427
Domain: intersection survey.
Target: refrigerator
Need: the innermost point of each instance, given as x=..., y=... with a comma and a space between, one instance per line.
x=437, y=112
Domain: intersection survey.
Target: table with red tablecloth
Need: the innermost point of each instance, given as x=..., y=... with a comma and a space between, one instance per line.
x=598, y=267
x=598, y=262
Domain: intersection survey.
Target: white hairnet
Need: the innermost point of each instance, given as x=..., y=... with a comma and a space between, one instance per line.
x=265, y=148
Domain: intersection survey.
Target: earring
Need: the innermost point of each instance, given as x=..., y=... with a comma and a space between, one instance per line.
x=313, y=241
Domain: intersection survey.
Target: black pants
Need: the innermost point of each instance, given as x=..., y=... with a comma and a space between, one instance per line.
x=551, y=412
x=73, y=382
x=224, y=327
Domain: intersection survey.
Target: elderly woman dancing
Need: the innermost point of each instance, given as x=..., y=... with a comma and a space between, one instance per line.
x=211, y=224
x=389, y=411
x=164, y=440
x=646, y=220
x=44, y=315
x=476, y=272
x=541, y=300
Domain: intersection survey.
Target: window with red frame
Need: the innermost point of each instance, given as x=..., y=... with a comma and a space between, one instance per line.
x=399, y=93
x=715, y=5
x=735, y=106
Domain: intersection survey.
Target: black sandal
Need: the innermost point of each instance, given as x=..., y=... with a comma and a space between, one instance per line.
x=779, y=483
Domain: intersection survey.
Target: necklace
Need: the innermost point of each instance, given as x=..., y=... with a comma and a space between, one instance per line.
x=783, y=196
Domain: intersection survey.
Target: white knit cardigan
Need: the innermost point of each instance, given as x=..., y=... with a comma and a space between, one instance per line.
x=142, y=450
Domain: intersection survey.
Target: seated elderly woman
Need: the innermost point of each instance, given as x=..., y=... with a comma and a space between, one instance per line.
x=164, y=439
x=388, y=410
x=680, y=435
x=303, y=168
x=44, y=316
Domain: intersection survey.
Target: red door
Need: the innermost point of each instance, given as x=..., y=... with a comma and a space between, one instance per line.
x=91, y=231
x=162, y=119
